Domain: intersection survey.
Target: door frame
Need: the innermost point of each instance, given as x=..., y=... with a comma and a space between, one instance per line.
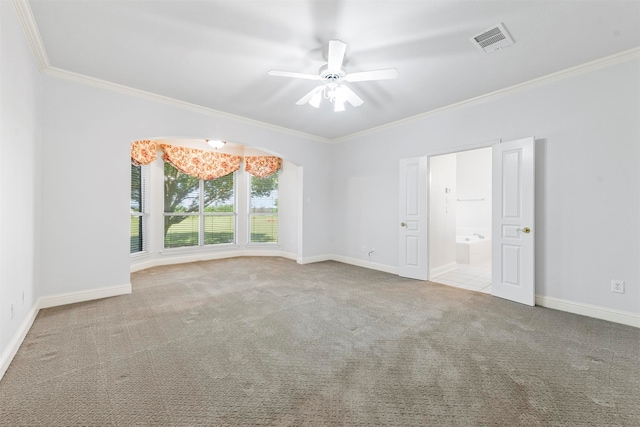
x=487, y=144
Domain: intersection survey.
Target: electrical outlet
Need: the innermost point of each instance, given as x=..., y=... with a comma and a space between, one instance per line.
x=12, y=311
x=617, y=286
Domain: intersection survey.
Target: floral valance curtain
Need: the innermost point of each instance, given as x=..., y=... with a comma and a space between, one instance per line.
x=262, y=166
x=143, y=152
x=199, y=163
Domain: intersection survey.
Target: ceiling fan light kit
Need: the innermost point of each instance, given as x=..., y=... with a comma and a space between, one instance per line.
x=333, y=75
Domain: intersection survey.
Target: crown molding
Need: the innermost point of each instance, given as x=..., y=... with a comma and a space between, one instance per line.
x=28, y=24
x=597, y=64
x=127, y=90
x=27, y=21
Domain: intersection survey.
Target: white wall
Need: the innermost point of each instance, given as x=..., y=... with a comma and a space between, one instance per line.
x=287, y=212
x=87, y=132
x=20, y=133
x=442, y=213
x=473, y=180
x=588, y=178
x=64, y=208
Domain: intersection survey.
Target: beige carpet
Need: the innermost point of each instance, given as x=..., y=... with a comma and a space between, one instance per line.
x=267, y=342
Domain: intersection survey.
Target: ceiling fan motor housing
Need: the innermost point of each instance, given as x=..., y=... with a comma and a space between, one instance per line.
x=331, y=75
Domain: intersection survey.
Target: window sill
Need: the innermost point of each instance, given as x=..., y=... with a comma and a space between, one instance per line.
x=262, y=245
x=199, y=249
x=142, y=254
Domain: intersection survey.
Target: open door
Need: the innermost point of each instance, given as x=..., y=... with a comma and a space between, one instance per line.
x=513, y=221
x=413, y=219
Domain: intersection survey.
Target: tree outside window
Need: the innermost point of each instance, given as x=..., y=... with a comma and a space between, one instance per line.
x=198, y=212
x=263, y=209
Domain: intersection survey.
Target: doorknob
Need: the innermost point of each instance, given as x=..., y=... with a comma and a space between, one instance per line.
x=402, y=224
x=526, y=230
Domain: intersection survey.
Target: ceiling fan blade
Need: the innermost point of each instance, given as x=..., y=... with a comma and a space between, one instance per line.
x=351, y=97
x=389, y=73
x=309, y=95
x=294, y=75
x=337, y=49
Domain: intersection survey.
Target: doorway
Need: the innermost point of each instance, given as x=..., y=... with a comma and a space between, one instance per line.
x=460, y=215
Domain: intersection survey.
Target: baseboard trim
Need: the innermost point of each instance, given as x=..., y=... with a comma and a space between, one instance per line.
x=603, y=313
x=366, y=264
x=311, y=260
x=207, y=256
x=15, y=343
x=617, y=316
x=54, y=301
x=82, y=296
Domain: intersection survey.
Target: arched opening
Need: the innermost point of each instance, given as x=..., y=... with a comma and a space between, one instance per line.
x=176, y=217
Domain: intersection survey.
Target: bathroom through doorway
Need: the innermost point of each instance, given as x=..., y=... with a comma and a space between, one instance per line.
x=460, y=208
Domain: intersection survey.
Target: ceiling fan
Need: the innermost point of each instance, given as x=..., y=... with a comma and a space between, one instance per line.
x=333, y=76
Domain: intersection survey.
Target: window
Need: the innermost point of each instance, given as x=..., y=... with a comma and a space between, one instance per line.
x=198, y=212
x=263, y=209
x=139, y=211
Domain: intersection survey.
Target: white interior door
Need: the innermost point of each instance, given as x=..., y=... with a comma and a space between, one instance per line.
x=513, y=221
x=413, y=219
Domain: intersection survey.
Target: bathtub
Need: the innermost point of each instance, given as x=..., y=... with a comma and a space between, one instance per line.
x=472, y=249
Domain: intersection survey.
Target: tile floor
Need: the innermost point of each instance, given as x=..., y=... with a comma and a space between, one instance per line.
x=475, y=277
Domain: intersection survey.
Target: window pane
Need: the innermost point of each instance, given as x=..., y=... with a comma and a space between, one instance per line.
x=218, y=194
x=181, y=191
x=219, y=229
x=181, y=195
x=264, y=228
x=219, y=199
x=181, y=230
x=185, y=194
x=264, y=194
x=263, y=209
x=136, y=234
x=136, y=188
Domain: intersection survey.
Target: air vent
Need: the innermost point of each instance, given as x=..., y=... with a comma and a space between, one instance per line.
x=493, y=39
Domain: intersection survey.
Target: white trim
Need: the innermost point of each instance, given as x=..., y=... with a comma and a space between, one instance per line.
x=442, y=269
x=27, y=21
x=208, y=256
x=617, y=316
x=30, y=28
x=81, y=296
x=260, y=253
x=54, y=301
x=617, y=58
x=115, y=87
x=31, y=32
x=15, y=343
x=366, y=264
x=312, y=259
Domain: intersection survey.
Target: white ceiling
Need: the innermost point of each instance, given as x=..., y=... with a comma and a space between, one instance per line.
x=216, y=54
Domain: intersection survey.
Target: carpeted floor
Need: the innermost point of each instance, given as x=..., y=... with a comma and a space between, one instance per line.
x=267, y=342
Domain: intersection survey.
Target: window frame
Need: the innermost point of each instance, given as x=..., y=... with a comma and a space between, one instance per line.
x=202, y=214
x=144, y=214
x=251, y=214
